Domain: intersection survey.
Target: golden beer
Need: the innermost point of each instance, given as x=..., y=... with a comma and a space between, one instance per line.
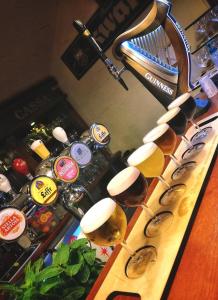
x=164, y=137
x=105, y=223
x=149, y=159
x=40, y=149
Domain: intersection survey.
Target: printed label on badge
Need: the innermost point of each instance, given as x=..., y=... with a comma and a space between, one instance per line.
x=12, y=224
x=81, y=153
x=66, y=169
x=43, y=190
x=100, y=134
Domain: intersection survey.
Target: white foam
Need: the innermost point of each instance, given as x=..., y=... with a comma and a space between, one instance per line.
x=169, y=115
x=179, y=101
x=35, y=144
x=155, y=133
x=97, y=215
x=122, y=181
x=141, y=154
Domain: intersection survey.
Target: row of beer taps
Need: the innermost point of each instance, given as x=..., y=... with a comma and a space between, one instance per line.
x=69, y=192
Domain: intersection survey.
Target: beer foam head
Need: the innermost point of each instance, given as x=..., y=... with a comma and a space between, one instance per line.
x=97, y=215
x=35, y=144
x=169, y=115
x=155, y=133
x=12, y=224
x=179, y=101
x=122, y=181
x=141, y=154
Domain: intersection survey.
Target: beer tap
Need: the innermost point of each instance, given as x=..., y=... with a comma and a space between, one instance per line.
x=45, y=167
x=113, y=70
x=5, y=186
x=21, y=167
x=60, y=134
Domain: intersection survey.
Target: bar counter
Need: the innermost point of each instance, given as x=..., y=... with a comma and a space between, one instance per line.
x=195, y=272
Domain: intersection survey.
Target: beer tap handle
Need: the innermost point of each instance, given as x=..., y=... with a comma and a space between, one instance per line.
x=5, y=186
x=60, y=134
x=82, y=29
x=20, y=166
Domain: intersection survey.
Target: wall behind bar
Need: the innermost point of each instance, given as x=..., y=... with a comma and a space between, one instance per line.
x=34, y=34
x=97, y=96
x=27, y=35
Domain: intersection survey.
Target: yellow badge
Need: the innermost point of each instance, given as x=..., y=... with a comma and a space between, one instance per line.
x=100, y=134
x=43, y=190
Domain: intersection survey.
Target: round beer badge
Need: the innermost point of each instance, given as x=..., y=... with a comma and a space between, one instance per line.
x=100, y=134
x=66, y=169
x=81, y=153
x=12, y=224
x=43, y=190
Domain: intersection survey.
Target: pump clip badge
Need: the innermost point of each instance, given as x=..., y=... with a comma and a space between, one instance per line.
x=100, y=134
x=43, y=190
x=12, y=224
x=66, y=169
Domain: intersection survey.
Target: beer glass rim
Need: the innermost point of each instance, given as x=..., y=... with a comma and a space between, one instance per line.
x=35, y=144
x=122, y=181
x=24, y=219
x=97, y=215
x=179, y=100
x=169, y=115
x=141, y=154
x=155, y=133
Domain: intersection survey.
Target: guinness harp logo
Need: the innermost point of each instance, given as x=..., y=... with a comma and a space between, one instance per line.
x=165, y=88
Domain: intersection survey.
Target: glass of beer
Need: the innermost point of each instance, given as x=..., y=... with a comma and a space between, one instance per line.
x=187, y=104
x=149, y=159
x=129, y=188
x=165, y=138
x=176, y=119
x=40, y=149
x=105, y=224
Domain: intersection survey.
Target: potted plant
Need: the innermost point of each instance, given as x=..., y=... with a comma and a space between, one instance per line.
x=71, y=275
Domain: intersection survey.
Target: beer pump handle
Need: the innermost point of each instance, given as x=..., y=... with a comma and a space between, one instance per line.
x=60, y=135
x=5, y=186
x=82, y=29
x=21, y=167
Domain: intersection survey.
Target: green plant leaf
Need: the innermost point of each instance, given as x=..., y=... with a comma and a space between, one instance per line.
x=49, y=284
x=37, y=265
x=29, y=276
x=75, y=293
x=62, y=255
x=84, y=274
x=10, y=288
x=29, y=294
x=73, y=269
x=48, y=272
x=78, y=243
x=90, y=256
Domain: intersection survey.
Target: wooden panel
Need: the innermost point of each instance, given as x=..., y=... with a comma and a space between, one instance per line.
x=152, y=283
x=197, y=277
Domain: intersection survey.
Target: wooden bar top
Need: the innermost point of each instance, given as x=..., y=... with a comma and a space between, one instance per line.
x=197, y=273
